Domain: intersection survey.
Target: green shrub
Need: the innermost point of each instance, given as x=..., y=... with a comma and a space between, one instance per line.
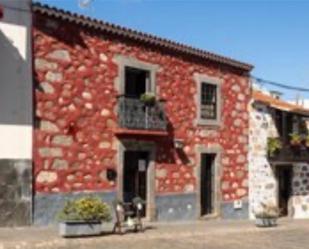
x=273, y=145
x=85, y=209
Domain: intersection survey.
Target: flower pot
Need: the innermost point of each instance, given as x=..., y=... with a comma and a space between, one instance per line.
x=149, y=103
x=266, y=222
x=80, y=228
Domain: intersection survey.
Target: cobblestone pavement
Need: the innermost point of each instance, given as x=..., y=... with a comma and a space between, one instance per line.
x=197, y=235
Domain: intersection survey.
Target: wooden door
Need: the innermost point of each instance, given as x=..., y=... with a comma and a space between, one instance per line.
x=207, y=183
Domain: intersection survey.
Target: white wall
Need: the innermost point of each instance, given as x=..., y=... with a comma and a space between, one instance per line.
x=262, y=181
x=16, y=80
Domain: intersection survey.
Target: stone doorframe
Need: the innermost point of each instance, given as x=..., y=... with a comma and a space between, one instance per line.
x=213, y=149
x=136, y=145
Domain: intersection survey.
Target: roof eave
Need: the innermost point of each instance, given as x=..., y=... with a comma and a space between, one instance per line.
x=138, y=36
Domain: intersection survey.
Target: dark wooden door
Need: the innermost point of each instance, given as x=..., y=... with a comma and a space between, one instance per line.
x=207, y=183
x=135, y=175
x=284, y=178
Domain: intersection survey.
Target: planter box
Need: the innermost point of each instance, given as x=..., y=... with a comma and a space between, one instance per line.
x=266, y=222
x=80, y=228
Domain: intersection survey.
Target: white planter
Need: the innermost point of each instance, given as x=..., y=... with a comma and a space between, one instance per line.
x=266, y=222
x=80, y=228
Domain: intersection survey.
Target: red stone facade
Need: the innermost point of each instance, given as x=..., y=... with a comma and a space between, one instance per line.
x=75, y=101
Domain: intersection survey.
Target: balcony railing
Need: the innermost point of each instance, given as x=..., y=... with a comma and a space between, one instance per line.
x=135, y=114
x=290, y=153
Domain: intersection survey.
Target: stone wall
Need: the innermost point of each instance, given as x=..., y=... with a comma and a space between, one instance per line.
x=75, y=141
x=262, y=182
x=15, y=192
x=300, y=190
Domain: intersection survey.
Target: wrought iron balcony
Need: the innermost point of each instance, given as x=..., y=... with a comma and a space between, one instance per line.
x=290, y=153
x=136, y=115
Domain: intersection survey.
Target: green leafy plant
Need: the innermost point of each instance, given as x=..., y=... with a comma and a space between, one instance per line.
x=273, y=145
x=268, y=211
x=295, y=139
x=148, y=98
x=85, y=209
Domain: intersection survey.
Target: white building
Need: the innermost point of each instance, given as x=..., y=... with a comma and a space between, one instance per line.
x=280, y=179
x=15, y=112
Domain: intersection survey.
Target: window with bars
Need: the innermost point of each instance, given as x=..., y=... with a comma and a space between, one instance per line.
x=209, y=102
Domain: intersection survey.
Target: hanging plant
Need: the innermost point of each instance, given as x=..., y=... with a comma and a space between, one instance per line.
x=295, y=139
x=273, y=145
x=148, y=98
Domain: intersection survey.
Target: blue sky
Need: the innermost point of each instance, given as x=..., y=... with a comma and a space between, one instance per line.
x=271, y=35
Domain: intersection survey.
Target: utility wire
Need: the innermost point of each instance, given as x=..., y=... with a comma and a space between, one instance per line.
x=277, y=84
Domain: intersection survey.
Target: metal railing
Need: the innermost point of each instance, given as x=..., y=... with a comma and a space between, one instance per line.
x=289, y=153
x=135, y=114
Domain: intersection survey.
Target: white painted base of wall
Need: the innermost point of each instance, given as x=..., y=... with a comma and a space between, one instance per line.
x=298, y=206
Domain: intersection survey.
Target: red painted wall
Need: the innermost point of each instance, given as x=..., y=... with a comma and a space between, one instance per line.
x=74, y=141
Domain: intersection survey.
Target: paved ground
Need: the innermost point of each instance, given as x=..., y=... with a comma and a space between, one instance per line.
x=198, y=235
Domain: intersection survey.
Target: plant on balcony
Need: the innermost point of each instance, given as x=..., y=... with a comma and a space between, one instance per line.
x=273, y=145
x=295, y=139
x=148, y=98
x=83, y=216
x=267, y=216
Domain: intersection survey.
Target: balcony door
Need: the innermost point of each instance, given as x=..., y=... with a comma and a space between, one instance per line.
x=137, y=82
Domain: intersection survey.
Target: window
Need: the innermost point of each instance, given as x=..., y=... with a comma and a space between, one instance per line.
x=135, y=77
x=208, y=101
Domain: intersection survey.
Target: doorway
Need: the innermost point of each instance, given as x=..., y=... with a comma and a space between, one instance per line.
x=284, y=176
x=207, y=183
x=136, y=82
x=135, y=176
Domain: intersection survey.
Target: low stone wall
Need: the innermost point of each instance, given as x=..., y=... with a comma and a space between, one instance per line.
x=15, y=192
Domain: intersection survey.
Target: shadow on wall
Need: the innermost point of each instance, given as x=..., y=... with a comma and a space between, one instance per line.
x=15, y=92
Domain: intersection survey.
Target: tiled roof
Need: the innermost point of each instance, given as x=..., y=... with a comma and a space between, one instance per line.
x=278, y=103
x=138, y=36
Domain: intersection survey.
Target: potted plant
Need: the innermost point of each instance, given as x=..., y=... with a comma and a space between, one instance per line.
x=148, y=98
x=273, y=146
x=296, y=143
x=295, y=139
x=83, y=216
x=267, y=216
